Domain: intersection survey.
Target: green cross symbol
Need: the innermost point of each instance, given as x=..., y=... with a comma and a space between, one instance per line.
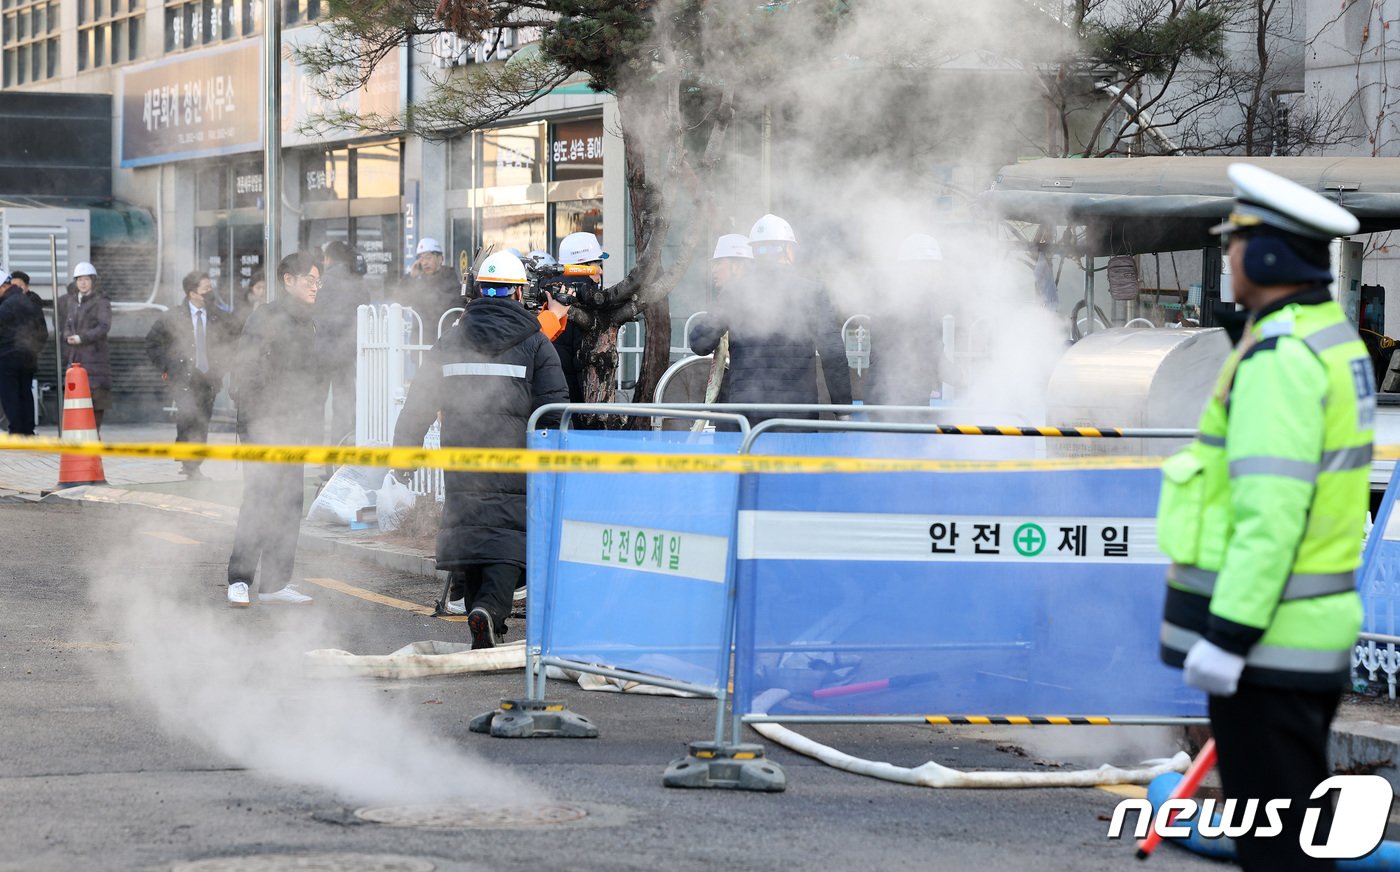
x=1029, y=539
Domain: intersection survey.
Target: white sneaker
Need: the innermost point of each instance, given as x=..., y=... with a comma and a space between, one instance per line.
x=457, y=607
x=238, y=594
x=286, y=595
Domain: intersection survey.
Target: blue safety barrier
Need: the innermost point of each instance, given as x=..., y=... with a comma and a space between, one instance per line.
x=1379, y=577
x=1017, y=593
x=633, y=572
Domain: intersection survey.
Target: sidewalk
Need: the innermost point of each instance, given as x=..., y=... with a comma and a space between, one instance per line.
x=1365, y=737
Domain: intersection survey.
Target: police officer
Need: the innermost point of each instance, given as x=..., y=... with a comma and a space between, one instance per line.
x=486, y=375
x=1263, y=514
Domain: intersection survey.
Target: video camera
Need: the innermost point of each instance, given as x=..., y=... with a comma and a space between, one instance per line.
x=564, y=282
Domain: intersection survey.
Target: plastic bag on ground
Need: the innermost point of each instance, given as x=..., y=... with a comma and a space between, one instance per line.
x=392, y=502
x=341, y=498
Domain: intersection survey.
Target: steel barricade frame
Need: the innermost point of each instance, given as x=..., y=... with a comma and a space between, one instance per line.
x=743, y=694
x=546, y=509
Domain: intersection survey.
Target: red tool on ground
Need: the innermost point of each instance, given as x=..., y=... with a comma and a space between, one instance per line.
x=1187, y=787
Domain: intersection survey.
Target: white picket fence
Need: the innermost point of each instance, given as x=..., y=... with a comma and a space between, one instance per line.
x=390, y=342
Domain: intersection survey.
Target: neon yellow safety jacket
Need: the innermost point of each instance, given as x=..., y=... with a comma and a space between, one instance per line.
x=1263, y=515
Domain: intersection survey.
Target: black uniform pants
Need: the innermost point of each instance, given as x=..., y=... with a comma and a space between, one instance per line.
x=194, y=405
x=1272, y=744
x=17, y=398
x=269, y=521
x=489, y=586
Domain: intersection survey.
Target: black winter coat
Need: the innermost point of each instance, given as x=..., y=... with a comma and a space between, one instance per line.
x=278, y=381
x=486, y=376
x=23, y=332
x=170, y=343
x=431, y=296
x=777, y=323
x=90, y=320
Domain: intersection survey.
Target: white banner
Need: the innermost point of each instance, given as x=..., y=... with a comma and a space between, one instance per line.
x=862, y=537
x=643, y=549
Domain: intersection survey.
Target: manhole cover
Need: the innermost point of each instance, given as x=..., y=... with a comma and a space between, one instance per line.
x=447, y=816
x=308, y=863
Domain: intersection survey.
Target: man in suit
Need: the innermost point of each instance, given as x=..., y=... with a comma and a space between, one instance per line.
x=189, y=345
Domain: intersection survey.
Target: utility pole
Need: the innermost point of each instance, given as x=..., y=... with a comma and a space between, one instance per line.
x=272, y=143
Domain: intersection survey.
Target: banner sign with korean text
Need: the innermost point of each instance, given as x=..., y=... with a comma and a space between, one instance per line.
x=1016, y=593
x=634, y=571
x=197, y=105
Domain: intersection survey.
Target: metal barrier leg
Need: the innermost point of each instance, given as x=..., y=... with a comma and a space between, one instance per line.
x=720, y=764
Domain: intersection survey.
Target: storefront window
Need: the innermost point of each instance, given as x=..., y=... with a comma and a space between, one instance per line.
x=578, y=216
x=377, y=171
x=511, y=156
x=326, y=178
x=519, y=227
x=212, y=187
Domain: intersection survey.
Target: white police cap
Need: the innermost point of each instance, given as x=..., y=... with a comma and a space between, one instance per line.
x=1268, y=199
x=732, y=245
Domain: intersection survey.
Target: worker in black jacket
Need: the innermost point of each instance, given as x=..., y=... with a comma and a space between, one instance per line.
x=778, y=321
x=279, y=386
x=19, y=354
x=486, y=375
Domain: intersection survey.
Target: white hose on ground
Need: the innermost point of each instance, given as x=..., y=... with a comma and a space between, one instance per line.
x=418, y=660
x=934, y=775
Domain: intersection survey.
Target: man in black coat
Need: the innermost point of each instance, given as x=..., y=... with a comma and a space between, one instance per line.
x=19, y=354
x=432, y=287
x=190, y=345
x=486, y=376
x=280, y=388
x=778, y=321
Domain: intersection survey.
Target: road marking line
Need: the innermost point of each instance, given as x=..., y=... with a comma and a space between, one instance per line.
x=381, y=599
x=1131, y=791
x=171, y=537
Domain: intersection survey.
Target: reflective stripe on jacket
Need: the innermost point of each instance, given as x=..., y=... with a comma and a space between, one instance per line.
x=1263, y=515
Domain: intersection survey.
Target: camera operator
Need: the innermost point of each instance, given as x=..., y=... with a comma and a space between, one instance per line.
x=581, y=259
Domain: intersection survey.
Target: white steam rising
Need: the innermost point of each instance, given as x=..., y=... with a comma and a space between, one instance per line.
x=232, y=682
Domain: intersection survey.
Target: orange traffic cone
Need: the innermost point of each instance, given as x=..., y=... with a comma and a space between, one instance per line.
x=79, y=425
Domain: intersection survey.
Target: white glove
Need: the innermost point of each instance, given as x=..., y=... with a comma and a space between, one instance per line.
x=843, y=416
x=1213, y=669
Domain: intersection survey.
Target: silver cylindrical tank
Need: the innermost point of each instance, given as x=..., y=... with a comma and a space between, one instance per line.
x=1133, y=378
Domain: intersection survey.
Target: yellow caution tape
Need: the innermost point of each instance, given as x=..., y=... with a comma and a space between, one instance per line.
x=522, y=460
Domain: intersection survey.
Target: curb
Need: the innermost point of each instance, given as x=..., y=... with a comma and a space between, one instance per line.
x=1355, y=747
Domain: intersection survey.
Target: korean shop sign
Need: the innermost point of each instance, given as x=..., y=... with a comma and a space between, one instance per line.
x=197, y=105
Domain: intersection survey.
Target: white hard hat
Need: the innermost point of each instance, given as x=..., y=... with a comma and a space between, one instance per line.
x=427, y=243
x=84, y=269
x=1261, y=197
x=501, y=268
x=919, y=246
x=771, y=228
x=733, y=245
x=581, y=248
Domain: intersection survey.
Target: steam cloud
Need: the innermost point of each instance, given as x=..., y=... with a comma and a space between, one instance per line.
x=232, y=682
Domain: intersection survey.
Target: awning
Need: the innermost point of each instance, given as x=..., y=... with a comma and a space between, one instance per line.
x=1138, y=205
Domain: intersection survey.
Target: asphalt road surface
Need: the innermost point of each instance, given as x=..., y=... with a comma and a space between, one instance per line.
x=146, y=725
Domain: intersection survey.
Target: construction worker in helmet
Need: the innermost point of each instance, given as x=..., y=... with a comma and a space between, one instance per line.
x=85, y=318
x=432, y=287
x=486, y=375
x=778, y=320
x=579, y=250
x=905, y=326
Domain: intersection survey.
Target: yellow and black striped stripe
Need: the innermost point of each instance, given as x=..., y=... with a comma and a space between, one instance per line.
x=1016, y=721
x=976, y=430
